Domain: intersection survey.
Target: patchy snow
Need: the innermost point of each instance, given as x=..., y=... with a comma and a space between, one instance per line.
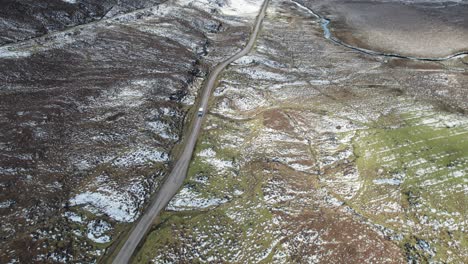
x=415, y=162
x=242, y=8
x=387, y=181
x=121, y=98
x=193, y=89
x=128, y=97
x=245, y=60
x=300, y=167
x=202, y=179
x=263, y=74
x=5, y=53
x=166, y=111
x=140, y=156
x=333, y=201
x=231, y=140
x=6, y=204
x=173, y=32
x=269, y=136
x=319, y=82
x=121, y=204
x=238, y=192
x=247, y=99
x=97, y=231
x=458, y=174
x=162, y=129
x=51, y=258
x=77, y=233
x=271, y=197
x=57, y=257
x=108, y=202
x=391, y=207
x=347, y=184
x=209, y=156
x=73, y=217
x=186, y=199
x=207, y=153
x=220, y=165
x=259, y=59
x=426, y=171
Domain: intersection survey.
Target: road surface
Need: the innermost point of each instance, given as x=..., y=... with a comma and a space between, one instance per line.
x=177, y=176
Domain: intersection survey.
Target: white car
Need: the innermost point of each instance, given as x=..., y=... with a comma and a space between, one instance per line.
x=200, y=111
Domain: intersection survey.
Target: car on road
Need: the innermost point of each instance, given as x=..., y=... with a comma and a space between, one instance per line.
x=200, y=111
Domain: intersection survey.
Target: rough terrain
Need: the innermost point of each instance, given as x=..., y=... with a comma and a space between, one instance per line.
x=311, y=152
x=173, y=182
x=88, y=120
x=316, y=153
x=26, y=19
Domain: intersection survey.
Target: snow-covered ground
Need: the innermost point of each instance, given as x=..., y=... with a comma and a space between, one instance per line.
x=120, y=203
x=238, y=8
x=6, y=204
x=209, y=156
x=97, y=231
x=242, y=7
x=141, y=156
x=6, y=53
x=187, y=199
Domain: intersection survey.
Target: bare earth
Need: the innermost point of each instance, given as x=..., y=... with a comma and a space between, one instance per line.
x=421, y=29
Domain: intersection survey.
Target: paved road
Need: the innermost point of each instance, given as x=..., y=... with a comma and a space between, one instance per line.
x=176, y=178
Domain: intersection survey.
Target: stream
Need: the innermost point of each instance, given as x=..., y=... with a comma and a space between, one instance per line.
x=325, y=24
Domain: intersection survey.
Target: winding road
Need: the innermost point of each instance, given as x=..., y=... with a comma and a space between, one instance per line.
x=177, y=176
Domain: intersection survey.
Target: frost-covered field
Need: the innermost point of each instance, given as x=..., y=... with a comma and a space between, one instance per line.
x=315, y=154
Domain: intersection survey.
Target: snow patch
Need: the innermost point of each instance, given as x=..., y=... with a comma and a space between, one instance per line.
x=387, y=181
x=141, y=156
x=209, y=156
x=73, y=217
x=187, y=199
x=120, y=204
x=5, y=53
x=264, y=74
x=242, y=8
x=6, y=204
x=97, y=230
x=162, y=129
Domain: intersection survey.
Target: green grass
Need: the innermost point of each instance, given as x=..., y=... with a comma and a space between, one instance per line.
x=240, y=224
x=428, y=157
